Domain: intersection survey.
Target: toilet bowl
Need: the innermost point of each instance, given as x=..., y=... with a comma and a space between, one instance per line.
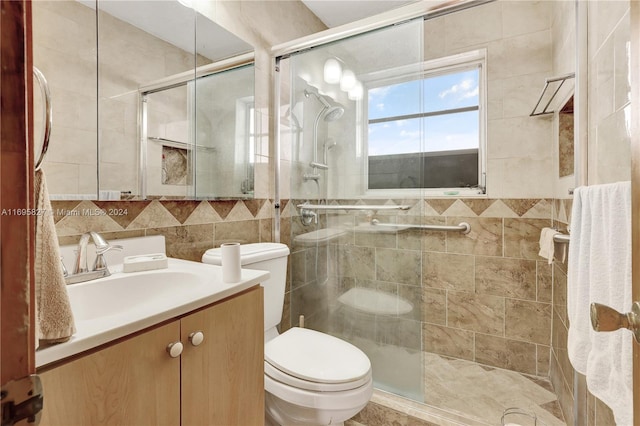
x=311, y=378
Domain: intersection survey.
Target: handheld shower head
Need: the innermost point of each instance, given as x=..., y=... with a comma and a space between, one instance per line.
x=331, y=112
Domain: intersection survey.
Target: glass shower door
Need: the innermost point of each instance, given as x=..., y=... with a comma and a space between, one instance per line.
x=356, y=265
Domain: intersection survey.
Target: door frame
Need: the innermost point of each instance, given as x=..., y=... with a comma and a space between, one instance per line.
x=635, y=189
x=17, y=338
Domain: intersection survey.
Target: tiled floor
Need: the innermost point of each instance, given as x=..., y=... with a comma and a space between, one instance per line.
x=459, y=392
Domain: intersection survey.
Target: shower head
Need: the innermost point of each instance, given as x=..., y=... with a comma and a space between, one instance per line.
x=332, y=112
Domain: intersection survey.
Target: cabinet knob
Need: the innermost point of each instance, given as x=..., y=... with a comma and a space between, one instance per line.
x=175, y=349
x=196, y=338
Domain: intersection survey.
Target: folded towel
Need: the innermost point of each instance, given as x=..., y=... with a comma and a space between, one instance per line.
x=54, y=318
x=600, y=271
x=547, y=246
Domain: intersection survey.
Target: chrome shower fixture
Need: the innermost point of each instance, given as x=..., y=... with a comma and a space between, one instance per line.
x=331, y=112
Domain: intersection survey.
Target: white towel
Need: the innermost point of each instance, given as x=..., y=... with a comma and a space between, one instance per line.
x=547, y=246
x=54, y=318
x=600, y=271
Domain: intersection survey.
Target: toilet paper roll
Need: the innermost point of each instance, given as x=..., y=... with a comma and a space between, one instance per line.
x=230, y=262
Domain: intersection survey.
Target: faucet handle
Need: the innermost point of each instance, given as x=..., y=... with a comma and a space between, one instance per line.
x=100, y=250
x=101, y=263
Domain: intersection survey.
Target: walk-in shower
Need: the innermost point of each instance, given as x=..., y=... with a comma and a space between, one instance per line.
x=395, y=245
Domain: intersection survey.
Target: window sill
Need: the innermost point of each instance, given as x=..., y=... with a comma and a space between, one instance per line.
x=425, y=193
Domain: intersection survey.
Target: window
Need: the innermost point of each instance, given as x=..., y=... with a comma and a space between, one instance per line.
x=426, y=130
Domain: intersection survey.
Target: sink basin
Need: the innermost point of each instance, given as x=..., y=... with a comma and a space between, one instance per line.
x=113, y=307
x=119, y=293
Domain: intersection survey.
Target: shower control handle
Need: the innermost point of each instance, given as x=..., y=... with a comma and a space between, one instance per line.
x=605, y=318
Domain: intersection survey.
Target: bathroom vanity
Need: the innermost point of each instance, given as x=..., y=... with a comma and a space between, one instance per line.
x=135, y=380
x=173, y=346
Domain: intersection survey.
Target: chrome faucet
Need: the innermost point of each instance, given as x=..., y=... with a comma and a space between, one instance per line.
x=99, y=269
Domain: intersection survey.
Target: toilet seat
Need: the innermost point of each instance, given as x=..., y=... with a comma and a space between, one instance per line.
x=315, y=361
x=282, y=377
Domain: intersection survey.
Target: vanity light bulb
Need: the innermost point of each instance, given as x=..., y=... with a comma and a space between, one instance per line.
x=355, y=94
x=332, y=71
x=348, y=80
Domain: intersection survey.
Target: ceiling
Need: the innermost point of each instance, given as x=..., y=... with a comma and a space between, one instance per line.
x=334, y=13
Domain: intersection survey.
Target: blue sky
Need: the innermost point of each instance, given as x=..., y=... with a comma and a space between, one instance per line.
x=439, y=133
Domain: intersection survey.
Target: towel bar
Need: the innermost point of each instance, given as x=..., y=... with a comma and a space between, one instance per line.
x=561, y=238
x=48, y=121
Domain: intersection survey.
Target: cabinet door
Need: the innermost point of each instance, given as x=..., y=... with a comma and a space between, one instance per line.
x=134, y=382
x=223, y=377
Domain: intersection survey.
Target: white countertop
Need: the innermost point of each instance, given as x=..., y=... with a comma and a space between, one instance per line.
x=203, y=287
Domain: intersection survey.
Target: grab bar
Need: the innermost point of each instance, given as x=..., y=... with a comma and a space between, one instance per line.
x=561, y=238
x=48, y=121
x=306, y=206
x=463, y=227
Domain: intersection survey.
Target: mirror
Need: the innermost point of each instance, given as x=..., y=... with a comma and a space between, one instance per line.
x=198, y=133
x=96, y=56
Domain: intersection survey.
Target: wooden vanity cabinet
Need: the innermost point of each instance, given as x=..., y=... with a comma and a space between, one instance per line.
x=135, y=382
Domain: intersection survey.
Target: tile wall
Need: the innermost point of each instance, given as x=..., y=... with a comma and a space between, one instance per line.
x=190, y=227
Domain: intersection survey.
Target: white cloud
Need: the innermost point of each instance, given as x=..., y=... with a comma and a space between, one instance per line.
x=379, y=92
x=465, y=89
x=414, y=134
x=380, y=106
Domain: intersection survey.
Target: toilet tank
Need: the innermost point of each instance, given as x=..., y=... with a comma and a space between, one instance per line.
x=270, y=257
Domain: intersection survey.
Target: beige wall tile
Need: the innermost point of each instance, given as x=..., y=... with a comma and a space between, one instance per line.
x=398, y=332
x=448, y=341
x=506, y=353
x=528, y=321
x=506, y=277
x=356, y=262
x=402, y=266
x=522, y=237
x=186, y=242
x=544, y=281
x=434, y=306
x=448, y=271
x=245, y=231
x=560, y=294
x=543, y=359
x=376, y=239
x=475, y=312
x=484, y=239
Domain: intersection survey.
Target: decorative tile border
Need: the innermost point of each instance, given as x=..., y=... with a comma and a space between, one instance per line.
x=530, y=208
x=77, y=217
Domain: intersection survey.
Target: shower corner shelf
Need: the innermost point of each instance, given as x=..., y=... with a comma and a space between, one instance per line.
x=560, y=80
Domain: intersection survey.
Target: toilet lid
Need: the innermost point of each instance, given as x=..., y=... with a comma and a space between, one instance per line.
x=316, y=357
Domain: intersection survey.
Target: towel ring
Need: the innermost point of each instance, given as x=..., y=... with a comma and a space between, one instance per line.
x=48, y=121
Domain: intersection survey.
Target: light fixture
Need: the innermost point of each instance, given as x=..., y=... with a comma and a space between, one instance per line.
x=356, y=92
x=348, y=80
x=332, y=71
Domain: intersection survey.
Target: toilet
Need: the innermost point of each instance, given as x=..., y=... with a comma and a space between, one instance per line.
x=311, y=378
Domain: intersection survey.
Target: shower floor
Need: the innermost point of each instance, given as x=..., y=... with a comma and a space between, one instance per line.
x=459, y=392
